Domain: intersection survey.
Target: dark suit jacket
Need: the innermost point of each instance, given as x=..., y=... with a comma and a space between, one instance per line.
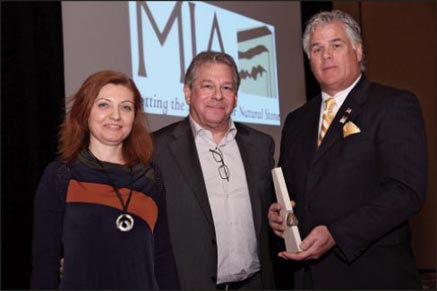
x=364, y=187
x=189, y=215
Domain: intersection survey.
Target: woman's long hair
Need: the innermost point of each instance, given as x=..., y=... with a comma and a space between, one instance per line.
x=74, y=133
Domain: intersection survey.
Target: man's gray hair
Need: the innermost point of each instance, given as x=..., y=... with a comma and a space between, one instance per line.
x=213, y=57
x=352, y=28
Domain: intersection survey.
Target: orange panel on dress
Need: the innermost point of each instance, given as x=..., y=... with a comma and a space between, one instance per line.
x=141, y=205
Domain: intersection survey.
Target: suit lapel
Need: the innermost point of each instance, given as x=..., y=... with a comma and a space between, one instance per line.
x=183, y=149
x=248, y=155
x=311, y=133
x=350, y=108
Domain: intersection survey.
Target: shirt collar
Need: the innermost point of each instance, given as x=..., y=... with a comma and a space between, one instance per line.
x=229, y=135
x=341, y=96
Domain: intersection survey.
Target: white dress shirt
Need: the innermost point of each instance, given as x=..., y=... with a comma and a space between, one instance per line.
x=230, y=205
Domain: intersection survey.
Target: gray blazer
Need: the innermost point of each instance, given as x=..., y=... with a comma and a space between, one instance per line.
x=189, y=214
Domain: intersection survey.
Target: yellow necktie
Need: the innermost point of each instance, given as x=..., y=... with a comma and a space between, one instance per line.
x=328, y=116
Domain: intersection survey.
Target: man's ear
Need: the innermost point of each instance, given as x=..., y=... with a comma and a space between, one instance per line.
x=187, y=93
x=359, y=51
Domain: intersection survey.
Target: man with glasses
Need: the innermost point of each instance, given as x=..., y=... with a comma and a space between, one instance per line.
x=218, y=182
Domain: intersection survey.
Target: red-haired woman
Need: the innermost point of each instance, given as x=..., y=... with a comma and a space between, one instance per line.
x=101, y=205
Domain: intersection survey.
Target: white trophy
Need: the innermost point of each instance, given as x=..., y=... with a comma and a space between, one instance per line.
x=291, y=233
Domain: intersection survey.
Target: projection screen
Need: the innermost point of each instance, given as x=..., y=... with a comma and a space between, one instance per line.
x=154, y=42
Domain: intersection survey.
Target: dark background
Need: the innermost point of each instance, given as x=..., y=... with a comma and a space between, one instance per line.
x=32, y=97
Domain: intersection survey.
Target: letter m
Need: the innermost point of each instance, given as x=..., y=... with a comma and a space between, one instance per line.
x=162, y=36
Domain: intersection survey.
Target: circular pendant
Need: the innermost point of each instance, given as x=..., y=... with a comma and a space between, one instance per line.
x=124, y=222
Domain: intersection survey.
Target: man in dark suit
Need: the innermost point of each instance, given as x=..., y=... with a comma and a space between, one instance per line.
x=218, y=183
x=356, y=170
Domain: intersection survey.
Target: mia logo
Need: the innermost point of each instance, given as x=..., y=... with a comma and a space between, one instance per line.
x=166, y=35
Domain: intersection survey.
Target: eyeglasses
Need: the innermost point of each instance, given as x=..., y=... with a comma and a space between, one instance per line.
x=223, y=169
x=209, y=88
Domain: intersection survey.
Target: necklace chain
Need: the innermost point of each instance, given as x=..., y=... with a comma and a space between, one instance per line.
x=117, y=192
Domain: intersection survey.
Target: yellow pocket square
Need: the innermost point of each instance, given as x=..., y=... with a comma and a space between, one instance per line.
x=350, y=128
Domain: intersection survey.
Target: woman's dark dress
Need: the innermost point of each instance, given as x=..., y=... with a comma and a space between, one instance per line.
x=75, y=213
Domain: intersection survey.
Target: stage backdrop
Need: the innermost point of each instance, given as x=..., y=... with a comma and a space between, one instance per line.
x=154, y=42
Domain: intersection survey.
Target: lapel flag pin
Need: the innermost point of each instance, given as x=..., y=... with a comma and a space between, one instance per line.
x=343, y=119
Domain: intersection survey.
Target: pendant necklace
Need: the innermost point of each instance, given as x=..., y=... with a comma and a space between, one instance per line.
x=125, y=221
